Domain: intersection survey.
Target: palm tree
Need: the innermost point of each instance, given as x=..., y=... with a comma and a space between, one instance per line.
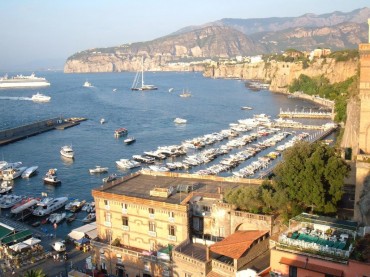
x=34, y=273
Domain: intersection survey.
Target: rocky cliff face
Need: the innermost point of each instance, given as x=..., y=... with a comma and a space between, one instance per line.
x=281, y=74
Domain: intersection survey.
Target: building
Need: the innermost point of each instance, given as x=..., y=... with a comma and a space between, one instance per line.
x=152, y=224
x=316, y=246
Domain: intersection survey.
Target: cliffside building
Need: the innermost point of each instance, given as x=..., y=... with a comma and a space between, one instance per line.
x=171, y=224
x=362, y=196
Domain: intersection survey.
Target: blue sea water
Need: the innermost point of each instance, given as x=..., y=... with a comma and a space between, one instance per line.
x=148, y=116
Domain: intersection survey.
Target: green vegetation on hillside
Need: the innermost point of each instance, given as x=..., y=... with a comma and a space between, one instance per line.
x=344, y=55
x=315, y=184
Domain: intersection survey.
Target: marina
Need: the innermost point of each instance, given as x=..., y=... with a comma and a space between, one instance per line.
x=214, y=138
x=305, y=114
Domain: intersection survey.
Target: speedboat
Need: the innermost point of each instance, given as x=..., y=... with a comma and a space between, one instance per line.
x=87, y=85
x=110, y=178
x=129, y=140
x=12, y=173
x=127, y=164
x=180, y=120
x=89, y=218
x=102, y=121
x=38, y=97
x=246, y=108
x=98, y=169
x=50, y=206
x=51, y=178
x=57, y=217
x=70, y=217
x=6, y=186
x=67, y=151
x=120, y=132
x=75, y=205
x=29, y=172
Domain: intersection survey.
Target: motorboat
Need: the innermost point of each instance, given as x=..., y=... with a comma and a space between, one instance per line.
x=170, y=89
x=127, y=164
x=179, y=120
x=98, y=169
x=51, y=178
x=9, y=200
x=70, y=217
x=75, y=205
x=110, y=178
x=87, y=84
x=13, y=173
x=6, y=186
x=38, y=97
x=24, y=204
x=89, y=207
x=89, y=218
x=55, y=218
x=129, y=140
x=158, y=168
x=67, y=151
x=120, y=132
x=102, y=121
x=50, y=206
x=143, y=159
x=29, y=172
x=246, y=108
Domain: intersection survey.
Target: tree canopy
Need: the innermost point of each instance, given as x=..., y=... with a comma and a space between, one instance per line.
x=35, y=273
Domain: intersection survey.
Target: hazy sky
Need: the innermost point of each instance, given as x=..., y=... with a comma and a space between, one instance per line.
x=39, y=33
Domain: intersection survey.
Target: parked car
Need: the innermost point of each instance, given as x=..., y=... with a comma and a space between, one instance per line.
x=59, y=246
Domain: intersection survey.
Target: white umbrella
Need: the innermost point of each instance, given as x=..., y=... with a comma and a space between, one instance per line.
x=19, y=246
x=32, y=241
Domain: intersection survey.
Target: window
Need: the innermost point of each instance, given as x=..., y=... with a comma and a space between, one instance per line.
x=124, y=220
x=292, y=271
x=151, y=226
x=151, y=211
x=171, y=214
x=124, y=206
x=108, y=235
x=171, y=230
x=206, y=209
x=107, y=217
x=106, y=202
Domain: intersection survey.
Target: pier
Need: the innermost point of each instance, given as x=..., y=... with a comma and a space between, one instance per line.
x=304, y=114
x=25, y=131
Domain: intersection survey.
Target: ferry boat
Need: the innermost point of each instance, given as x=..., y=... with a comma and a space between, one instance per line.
x=21, y=81
x=120, y=132
x=38, y=97
x=50, y=206
x=29, y=172
x=67, y=151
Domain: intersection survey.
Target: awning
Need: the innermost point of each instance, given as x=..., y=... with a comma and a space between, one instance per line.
x=19, y=246
x=93, y=234
x=32, y=241
x=80, y=232
x=312, y=267
x=17, y=237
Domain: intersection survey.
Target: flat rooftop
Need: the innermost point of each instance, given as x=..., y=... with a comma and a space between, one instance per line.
x=140, y=184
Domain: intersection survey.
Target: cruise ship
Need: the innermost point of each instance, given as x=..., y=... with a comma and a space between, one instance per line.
x=21, y=81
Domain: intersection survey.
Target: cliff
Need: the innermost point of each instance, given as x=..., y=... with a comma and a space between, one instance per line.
x=281, y=74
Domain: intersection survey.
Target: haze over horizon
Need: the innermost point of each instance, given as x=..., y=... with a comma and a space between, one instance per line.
x=41, y=34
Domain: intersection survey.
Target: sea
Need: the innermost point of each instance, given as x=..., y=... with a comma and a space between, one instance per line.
x=148, y=116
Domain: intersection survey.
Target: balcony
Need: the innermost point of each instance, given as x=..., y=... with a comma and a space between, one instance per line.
x=171, y=219
x=171, y=238
x=125, y=228
x=124, y=211
x=152, y=234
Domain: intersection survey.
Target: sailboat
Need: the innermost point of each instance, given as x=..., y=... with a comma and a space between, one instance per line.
x=135, y=84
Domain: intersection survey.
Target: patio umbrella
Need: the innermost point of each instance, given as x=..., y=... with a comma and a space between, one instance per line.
x=32, y=241
x=19, y=246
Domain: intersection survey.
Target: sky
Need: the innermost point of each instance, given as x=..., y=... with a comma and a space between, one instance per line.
x=40, y=34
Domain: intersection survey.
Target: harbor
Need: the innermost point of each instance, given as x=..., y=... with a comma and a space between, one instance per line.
x=305, y=114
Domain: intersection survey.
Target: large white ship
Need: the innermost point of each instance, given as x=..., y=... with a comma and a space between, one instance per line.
x=21, y=81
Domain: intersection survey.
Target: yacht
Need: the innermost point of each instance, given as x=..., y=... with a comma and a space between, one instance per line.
x=38, y=97
x=12, y=173
x=9, y=200
x=50, y=206
x=67, y=151
x=120, y=132
x=127, y=164
x=180, y=120
x=98, y=169
x=29, y=172
x=87, y=85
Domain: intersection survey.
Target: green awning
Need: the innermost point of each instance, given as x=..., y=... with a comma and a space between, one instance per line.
x=4, y=232
x=17, y=237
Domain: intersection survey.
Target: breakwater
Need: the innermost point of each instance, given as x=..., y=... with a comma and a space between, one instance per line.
x=32, y=129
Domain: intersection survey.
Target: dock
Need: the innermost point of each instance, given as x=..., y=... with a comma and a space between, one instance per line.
x=35, y=128
x=305, y=114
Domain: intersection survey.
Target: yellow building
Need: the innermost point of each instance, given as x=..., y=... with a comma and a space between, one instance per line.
x=143, y=217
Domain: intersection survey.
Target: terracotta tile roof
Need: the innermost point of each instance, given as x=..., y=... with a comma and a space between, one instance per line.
x=312, y=267
x=235, y=245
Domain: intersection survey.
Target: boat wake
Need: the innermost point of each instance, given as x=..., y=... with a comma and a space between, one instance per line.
x=15, y=98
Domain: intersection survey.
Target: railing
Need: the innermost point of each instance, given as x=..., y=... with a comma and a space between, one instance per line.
x=224, y=267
